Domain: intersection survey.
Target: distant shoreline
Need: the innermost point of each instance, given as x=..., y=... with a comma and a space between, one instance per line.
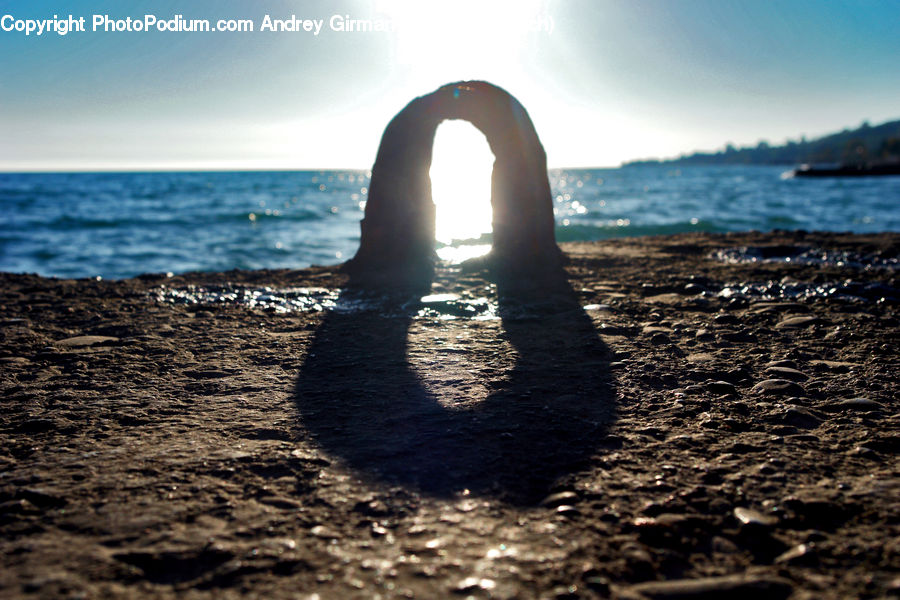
x=865, y=144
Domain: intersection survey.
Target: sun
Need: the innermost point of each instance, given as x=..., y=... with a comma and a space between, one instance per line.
x=461, y=189
x=460, y=36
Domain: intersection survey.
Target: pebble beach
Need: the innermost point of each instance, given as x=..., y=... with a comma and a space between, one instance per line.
x=685, y=416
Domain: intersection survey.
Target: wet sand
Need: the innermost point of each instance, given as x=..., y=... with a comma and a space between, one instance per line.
x=672, y=421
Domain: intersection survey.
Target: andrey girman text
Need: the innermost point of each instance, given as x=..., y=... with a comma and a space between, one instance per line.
x=178, y=23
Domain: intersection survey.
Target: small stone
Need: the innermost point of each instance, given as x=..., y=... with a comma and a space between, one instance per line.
x=694, y=288
x=798, y=555
x=753, y=518
x=799, y=322
x=728, y=586
x=781, y=363
x=893, y=587
x=724, y=545
x=778, y=387
x=889, y=444
x=471, y=584
x=819, y=512
x=239, y=455
x=801, y=418
x=652, y=329
x=660, y=339
x=597, y=307
x=721, y=387
x=670, y=299
x=744, y=448
x=638, y=558
x=610, y=516
x=701, y=357
x=865, y=452
x=787, y=373
x=599, y=584
x=559, y=499
x=320, y=531
x=18, y=507
x=705, y=335
x=42, y=498
x=808, y=438
x=816, y=536
x=280, y=502
x=82, y=341
x=769, y=307
x=564, y=592
x=741, y=336
x=567, y=510
x=14, y=360
x=835, y=365
x=854, y=404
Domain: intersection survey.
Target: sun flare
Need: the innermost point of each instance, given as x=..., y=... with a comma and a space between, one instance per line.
x=461, y=188
x=459, y=37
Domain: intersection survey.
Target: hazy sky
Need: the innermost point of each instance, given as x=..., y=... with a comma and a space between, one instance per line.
x=604, y=81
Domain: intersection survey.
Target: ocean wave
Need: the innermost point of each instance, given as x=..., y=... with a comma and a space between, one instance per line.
x=123, y=224
x=75, y=222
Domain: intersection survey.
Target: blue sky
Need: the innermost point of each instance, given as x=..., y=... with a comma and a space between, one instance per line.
x=610, y=81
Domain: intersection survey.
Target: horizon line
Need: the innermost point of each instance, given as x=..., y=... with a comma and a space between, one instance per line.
x=137, y=170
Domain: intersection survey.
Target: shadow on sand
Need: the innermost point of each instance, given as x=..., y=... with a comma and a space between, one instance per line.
x=360, y=398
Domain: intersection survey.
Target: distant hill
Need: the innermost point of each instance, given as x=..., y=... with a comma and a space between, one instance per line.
x=864, y=145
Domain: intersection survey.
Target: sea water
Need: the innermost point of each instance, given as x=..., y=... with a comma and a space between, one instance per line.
x=116, y=225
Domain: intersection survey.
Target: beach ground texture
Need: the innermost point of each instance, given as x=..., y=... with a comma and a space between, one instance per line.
x=668, y=424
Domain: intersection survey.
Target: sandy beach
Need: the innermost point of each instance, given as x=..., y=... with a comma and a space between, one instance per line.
x=675, y=420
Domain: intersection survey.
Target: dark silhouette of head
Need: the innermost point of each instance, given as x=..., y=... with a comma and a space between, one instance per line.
x=397, y=232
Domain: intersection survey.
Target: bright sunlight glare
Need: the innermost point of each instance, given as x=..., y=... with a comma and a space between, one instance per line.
x=458, y=36
x=461, y=189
